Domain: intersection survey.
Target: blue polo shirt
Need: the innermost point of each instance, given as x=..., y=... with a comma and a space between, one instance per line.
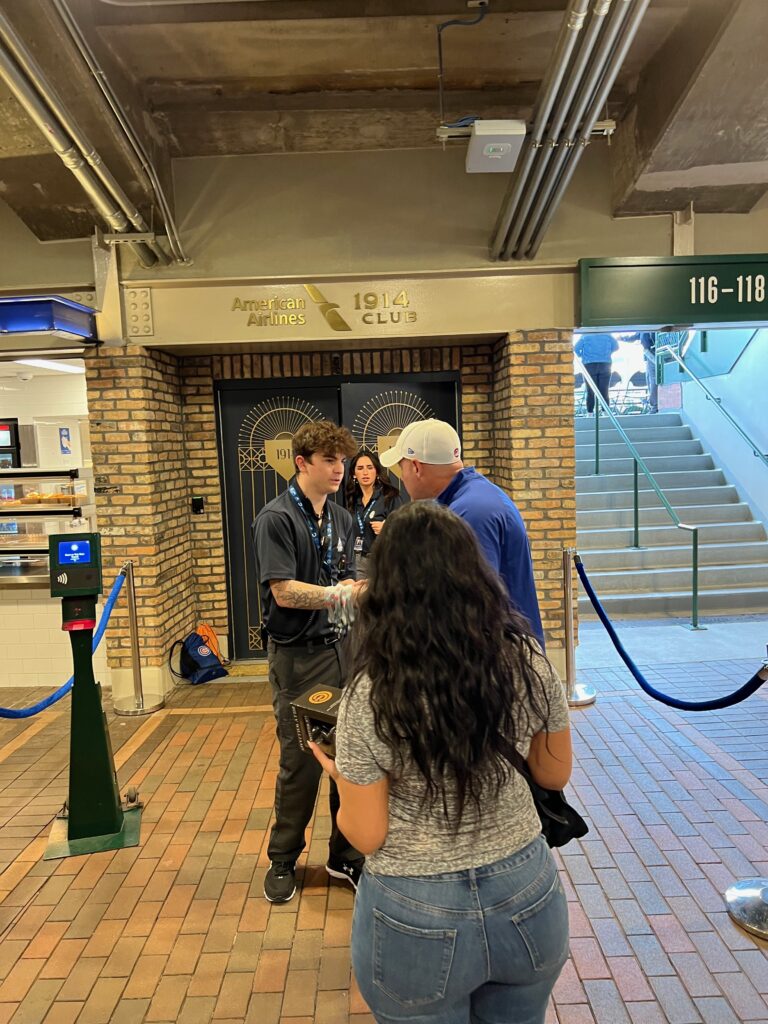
x=500, y=529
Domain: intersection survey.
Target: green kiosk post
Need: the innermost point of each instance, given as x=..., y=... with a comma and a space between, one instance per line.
x=93, y=819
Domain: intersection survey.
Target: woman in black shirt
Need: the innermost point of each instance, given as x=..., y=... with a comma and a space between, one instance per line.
x=370, y=498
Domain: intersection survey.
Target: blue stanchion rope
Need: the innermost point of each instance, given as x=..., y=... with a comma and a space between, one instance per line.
x=717, y=704
x=64, y=690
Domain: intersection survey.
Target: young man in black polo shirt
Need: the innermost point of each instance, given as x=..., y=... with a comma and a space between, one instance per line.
x=304, y=548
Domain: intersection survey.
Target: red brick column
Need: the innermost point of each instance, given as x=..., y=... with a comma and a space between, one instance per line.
x=534, y=453
x=139, y=464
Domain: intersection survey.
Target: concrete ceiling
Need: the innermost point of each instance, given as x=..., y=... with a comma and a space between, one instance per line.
x=234, y=77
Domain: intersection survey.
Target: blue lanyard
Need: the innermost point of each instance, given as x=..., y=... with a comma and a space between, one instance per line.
x=367, y=512
x=314, y=532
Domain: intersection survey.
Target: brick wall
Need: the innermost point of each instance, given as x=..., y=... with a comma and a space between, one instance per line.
x=153, y=430
x=137, y=447
x=534, y=458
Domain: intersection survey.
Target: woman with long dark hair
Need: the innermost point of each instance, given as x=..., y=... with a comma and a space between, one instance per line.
x=460, y=914
x=370, y=498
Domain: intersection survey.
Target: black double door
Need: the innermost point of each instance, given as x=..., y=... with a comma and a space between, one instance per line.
x=256, y=426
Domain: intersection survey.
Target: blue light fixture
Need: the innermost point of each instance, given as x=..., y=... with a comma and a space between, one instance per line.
x=45, y=323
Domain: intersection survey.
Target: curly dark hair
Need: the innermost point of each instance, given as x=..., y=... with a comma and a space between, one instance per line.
x=352, y=491
x=451, y=664
x=325, y=437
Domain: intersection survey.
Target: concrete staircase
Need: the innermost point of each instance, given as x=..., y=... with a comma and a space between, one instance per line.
x=655, y=581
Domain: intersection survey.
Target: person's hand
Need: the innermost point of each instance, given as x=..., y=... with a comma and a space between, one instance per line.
x=357, y=585
x=326, y=763
x=377, y=525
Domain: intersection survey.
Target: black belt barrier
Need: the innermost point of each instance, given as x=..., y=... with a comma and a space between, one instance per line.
x=718, y=704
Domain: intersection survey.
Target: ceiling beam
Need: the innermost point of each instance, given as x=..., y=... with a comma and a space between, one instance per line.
x=307, y=10
x=697, y=127
x=201, y=123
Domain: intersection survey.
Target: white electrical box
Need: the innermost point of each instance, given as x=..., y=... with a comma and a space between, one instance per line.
x=494, y=146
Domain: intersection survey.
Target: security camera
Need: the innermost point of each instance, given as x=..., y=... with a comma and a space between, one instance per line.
x=25, y=375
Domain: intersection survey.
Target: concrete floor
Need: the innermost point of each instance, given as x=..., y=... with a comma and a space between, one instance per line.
x=672, y=642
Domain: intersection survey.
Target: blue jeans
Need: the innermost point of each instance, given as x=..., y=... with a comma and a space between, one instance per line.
x=481, y=945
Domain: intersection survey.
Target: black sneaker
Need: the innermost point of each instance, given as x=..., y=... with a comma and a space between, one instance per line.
x=280, y=881
x=346, y=870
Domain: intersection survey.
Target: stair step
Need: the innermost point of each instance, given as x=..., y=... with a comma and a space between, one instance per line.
x=612, y=436
x=725, y=601
x=634, y=421
x=585, y=467
x=711, y=577
x=612, y=538
x=655, y=580
x=677, y=556
x=675, y=496
x=625, y=481
x=619, y=450
x=595, y=518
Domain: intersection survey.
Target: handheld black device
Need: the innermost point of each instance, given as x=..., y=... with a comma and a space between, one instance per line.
x=314, y=713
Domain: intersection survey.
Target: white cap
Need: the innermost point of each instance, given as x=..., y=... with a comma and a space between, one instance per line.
x=430, y=441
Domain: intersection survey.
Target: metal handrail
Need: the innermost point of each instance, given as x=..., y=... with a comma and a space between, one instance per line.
x=638, y=462
x=713, y=398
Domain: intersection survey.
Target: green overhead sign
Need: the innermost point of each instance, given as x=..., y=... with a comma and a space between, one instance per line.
x=652, y=292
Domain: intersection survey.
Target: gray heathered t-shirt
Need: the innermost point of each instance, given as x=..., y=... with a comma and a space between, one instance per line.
x=422, y=844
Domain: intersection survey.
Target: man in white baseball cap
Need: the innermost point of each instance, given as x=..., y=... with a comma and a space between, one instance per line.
x=428, y=454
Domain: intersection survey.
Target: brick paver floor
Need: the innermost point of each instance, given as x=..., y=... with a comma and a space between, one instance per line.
x=178, y=930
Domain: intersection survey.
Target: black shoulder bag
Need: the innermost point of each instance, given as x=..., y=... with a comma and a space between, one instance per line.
x=560, y=823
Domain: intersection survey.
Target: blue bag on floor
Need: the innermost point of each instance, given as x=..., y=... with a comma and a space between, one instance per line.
x=197, y=662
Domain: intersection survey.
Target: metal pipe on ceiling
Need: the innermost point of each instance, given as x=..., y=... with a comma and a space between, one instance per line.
x=574, y=82
x=144, y=164
x=175, y=3
x=25, y=79
x=590, y=84
x=572, y=24
x=631, y=25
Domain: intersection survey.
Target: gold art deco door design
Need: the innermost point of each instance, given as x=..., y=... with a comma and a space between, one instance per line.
x=384, y=417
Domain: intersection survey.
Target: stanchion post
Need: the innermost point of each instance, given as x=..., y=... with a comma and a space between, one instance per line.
x=138, y=704
x=133, y=627
x=579, y=695
x=747, y=901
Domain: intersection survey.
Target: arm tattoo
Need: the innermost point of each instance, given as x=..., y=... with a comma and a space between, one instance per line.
x=293, y=594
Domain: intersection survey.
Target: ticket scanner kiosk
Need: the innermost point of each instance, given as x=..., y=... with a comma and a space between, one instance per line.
x=94, y=818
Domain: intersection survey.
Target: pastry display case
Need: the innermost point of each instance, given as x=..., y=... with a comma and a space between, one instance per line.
x=34, y=504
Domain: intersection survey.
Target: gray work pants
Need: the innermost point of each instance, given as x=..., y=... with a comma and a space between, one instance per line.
x=292, y=671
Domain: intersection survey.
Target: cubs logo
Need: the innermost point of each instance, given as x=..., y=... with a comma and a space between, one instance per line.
x=321, y=697
x=204, y=652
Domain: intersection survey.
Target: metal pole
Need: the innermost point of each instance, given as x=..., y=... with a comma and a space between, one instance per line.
x=695, y=580
x=571, y=26
x=597, y=436
x=636, y=540
x=747, y=901
x=136, y=705
x=133, y=627
x=579, y=695
x=25, y=79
